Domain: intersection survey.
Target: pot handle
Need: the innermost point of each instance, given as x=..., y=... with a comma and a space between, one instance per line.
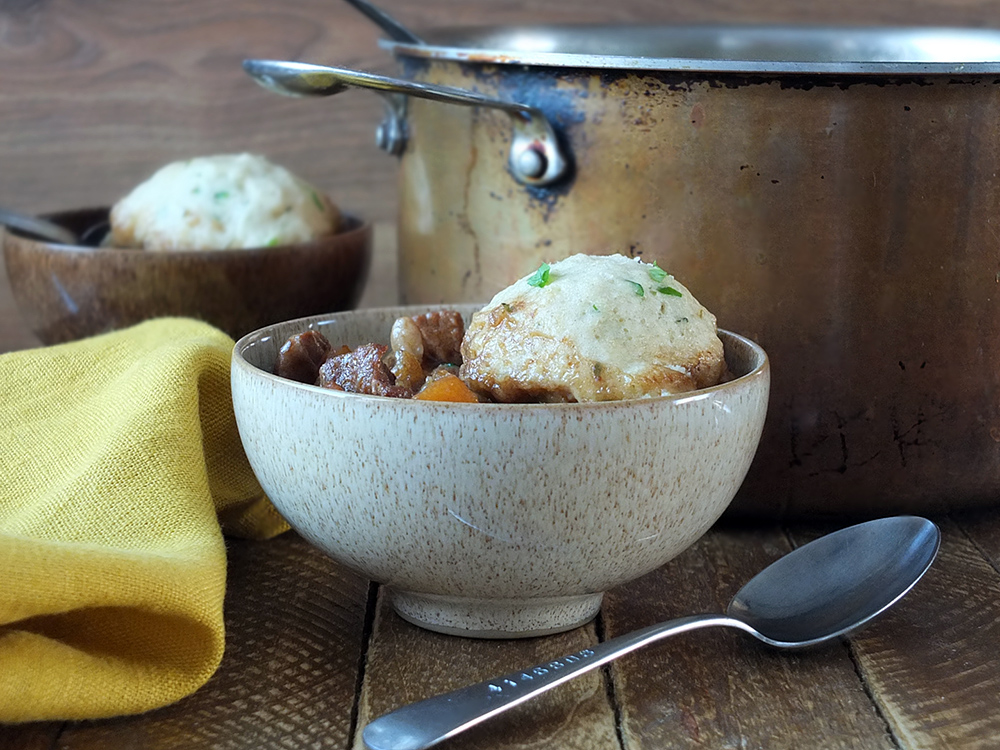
x=535, y=157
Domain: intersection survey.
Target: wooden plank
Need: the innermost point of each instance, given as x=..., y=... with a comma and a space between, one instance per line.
x=933, y=662
x=983, y=529
x=36, y=736
x=406, y=664
x=718, y=688
x=97, y=95
x=295, y=626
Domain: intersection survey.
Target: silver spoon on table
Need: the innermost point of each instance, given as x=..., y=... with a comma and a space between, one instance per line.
x=822, y=590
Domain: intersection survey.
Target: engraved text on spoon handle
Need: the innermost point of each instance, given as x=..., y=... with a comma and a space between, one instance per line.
x=424, y=724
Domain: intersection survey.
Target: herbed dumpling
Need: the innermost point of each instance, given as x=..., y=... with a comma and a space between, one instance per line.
x=221, y=202
x=592, y=328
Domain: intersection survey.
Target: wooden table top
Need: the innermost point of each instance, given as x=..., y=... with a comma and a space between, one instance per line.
x=314, y=652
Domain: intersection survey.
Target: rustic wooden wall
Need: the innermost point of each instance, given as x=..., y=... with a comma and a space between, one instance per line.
x=95, y=94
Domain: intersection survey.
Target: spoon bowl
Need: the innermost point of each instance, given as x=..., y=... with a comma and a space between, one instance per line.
x=818, y=592
x=837, y=583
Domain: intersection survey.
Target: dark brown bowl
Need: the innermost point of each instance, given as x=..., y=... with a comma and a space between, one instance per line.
x=67, y=292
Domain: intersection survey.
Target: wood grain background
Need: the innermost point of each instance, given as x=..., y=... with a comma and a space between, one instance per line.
x=95, y=94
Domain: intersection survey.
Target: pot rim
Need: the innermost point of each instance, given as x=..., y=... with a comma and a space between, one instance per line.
x=719, y=48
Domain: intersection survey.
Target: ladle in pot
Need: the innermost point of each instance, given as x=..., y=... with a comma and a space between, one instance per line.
x=387, y=23
x=535, y=156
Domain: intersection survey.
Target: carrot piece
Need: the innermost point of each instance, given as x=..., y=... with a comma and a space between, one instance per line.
x=446, y=388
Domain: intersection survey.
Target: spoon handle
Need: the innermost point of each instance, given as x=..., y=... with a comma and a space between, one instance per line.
x=428, y=722
x=38, y=226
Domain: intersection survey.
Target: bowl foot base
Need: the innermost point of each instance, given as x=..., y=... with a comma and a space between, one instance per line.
x=495, y=618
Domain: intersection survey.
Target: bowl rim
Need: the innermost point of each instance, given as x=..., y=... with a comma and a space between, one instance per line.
x=356, y=227
x=762, y=369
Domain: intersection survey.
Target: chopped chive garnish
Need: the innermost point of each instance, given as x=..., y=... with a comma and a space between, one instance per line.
x=669, y=290
x=273, y=242
x=596, y=309
x=656, y=273
x=506, y=306
x=221, y=194
x=637, y=288
x=316, y=200
x=540, y=277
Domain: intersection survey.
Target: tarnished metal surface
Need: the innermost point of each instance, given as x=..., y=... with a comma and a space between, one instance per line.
x=719, y=48
x=847, y=223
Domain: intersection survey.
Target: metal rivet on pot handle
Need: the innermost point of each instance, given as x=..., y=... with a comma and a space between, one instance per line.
x=535, y=156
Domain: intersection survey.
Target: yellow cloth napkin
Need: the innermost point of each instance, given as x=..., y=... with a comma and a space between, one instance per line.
x=120, y=469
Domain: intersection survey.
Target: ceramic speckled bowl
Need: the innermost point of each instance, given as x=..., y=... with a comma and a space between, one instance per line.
x=67, y=292
x=493, y=520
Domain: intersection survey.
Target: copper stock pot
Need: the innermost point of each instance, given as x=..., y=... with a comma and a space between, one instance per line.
x=829, y=192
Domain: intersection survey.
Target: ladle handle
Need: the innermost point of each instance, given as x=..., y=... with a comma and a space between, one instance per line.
x=535, y=157
x=428, y=722
x=387, y=23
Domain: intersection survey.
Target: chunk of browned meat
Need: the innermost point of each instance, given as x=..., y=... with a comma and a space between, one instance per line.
x=361, y=371
x=300, y=357
x=442, y=332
